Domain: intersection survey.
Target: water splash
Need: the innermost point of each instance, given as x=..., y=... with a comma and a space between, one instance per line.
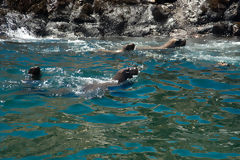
x=21, y=33
x=15, y=26
x=64, y=84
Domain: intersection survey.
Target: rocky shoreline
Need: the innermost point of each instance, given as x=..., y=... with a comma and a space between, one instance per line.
x=130, y=18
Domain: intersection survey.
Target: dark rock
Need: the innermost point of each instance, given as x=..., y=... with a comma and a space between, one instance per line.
x=165, y=1
x=83, y=18
x=112, y=25
x=117, y=20
x=25, y=6
x=87, y=30
x=139, y=30
x=63, y=3
x=223, y=28
x=214, y=16
x=138, y=20
x=82, y=14
x=3, y=12
x=88, y=1
x=213, y=11
x=60, y=10
x=160, y=14
x=98, y=7
x=218, y=5
x=59, y=17
x=59, y=29
x=87, y=9
x=40, y=9
x=131, y=2
x=233, y=12
x=36, y=26
x=61, y=14
x=92, y=18
x=19, y=5
x=210, y=16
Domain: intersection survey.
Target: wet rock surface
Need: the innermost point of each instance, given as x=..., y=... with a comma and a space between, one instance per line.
x=134, y=18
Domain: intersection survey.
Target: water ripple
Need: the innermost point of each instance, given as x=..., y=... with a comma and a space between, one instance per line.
x=212, y=155
x=182, y=105
x=111, y=118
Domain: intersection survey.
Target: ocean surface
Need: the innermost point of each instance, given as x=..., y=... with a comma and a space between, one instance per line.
x=182, y=105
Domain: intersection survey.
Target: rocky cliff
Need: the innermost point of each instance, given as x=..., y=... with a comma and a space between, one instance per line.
x=134, y=18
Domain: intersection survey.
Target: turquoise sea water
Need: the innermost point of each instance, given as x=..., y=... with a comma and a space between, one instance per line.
x=181, y=105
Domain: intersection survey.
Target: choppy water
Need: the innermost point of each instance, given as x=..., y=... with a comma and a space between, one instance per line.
x=180, y=106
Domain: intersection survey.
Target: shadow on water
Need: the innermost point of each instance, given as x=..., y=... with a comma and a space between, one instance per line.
x=182, y=105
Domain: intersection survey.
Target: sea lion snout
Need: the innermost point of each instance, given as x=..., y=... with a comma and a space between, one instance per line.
x=129, y=72
x=133, y=70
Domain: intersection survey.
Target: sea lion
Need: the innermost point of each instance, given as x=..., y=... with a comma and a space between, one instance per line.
x=32, y=80
x=172, y=43
x=35, y=73
x=125, y=48
x=120, y=77
x=129, y=47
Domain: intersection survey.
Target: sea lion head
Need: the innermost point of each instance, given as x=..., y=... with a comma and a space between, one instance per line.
x=129, y=47
x=125, y=73
x=35, y=73
x=179, y=42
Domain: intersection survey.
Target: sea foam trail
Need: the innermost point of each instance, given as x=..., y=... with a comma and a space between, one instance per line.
x=213, y=51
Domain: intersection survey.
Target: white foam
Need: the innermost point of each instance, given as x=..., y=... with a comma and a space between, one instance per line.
x=21, y=33
x=213, y=51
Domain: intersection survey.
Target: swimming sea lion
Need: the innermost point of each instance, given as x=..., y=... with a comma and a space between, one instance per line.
x=121, y=76
x=172, y=43
x=128, y=47
x=35, y=73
